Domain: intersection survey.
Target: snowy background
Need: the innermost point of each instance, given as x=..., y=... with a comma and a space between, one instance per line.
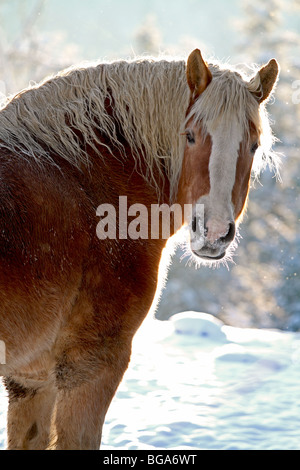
x=210, y=385
x=194, y=383
x=197, y=384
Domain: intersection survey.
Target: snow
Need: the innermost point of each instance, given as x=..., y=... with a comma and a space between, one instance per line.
x=195, y=383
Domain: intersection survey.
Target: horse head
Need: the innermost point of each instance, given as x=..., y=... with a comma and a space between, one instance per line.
x=223, y=130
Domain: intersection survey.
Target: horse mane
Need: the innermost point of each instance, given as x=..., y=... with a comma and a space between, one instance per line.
x=149, y=99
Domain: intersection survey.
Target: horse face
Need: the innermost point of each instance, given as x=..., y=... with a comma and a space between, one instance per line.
x=216, y=175
x=218, y=157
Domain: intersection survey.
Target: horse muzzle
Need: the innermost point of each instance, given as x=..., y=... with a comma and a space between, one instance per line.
x=212, y=249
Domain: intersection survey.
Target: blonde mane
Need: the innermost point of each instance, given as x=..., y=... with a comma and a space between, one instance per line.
x=149, y=99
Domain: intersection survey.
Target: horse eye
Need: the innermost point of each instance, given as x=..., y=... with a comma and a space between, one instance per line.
x=190, y=137
x=254, y=147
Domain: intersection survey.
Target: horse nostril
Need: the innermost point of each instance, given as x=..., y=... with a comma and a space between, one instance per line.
x=194, y=224
x=230, y=234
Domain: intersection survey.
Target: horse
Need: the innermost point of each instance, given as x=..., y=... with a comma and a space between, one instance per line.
x=156, y=131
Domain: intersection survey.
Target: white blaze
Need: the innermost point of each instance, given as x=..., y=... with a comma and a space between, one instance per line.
x=226, y=138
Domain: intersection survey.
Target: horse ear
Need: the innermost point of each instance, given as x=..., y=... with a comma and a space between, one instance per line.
x=197, y=73
x=265, y=80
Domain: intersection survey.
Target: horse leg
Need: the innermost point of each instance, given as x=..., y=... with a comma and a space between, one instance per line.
x=29, y=415
x=91, y=354
x=82, y=402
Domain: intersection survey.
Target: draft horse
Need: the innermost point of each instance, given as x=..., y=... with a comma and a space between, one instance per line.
x=156, y=131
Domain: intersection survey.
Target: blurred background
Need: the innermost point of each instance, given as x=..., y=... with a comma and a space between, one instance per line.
x=40, y=37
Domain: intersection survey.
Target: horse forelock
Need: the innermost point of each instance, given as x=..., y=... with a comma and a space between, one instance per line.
x=228, y=102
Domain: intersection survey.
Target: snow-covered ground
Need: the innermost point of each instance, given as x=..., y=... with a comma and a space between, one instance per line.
x=194, y=383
